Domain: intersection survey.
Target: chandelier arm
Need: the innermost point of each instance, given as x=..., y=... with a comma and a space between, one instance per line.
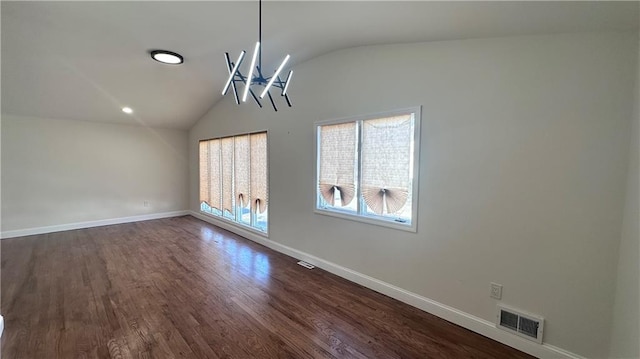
x=251, y=69
x=259, y=77
x=232, y=69
x=272, y=103
x=243, y=79
x=235, y=92
x=277, y=83
x=255, y=98
x=275, y=76
x=282, y=84
x=230, y=65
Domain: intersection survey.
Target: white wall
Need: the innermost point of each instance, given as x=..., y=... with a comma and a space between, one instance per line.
x=522, y=171
x=625, y=342
x=58, y=172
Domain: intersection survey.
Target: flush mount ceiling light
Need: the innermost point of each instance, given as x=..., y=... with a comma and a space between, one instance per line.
x=127, y=110
x=167, y=57
x=267, y=83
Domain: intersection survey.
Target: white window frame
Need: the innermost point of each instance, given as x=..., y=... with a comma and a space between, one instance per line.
x=237, y=223
x=360, y=216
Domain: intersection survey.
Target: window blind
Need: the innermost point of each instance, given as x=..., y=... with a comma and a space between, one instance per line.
x=337, y=162
x=205, y=192
x=386, y=161
x=227, y=174
x=234, y=176
x=258, y=171
x=214, y=175
x=241, y=170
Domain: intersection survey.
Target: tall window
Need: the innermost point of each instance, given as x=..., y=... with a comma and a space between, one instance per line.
x=367, y=168
x=233, y=179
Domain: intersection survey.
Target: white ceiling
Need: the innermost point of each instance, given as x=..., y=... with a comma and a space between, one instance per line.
x=85, y=60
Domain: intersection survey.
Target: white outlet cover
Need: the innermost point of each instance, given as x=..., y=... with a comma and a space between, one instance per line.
x=496, y=291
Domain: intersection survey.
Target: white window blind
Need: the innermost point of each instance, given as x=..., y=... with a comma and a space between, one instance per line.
x=205, y=191
x=241, y=170
x=215, y=195
x=258, y=172
x=386, y=163
x=226, y=155
x=337, y=162
x=234, y=179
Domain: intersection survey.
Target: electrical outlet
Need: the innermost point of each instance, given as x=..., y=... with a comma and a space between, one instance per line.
x=496, y=290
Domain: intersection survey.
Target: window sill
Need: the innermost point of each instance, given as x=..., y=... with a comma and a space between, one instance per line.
x=369, y=220
x=234, y=224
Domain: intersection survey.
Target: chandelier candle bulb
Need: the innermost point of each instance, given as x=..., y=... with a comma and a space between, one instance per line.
x=275, y=76
x=250, y=77
x=232, y=73
x=286, y=83
x=233, y=84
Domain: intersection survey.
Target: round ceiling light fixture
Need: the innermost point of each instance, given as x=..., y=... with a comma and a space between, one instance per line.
x=167, y=57
x=127, y=110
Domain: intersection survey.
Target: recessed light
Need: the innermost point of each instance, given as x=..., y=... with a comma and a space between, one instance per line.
x=167, y=57
x=127, y=110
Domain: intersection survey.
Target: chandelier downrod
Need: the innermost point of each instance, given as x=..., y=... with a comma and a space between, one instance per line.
x=260, y=35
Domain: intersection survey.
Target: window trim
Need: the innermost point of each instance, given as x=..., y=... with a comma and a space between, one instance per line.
x=238, y=225
x=222, y=218
x=373, y=219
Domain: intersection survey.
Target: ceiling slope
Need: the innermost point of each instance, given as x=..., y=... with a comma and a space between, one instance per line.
x=86, y=60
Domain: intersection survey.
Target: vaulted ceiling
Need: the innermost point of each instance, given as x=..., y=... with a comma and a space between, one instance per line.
x=86, y=60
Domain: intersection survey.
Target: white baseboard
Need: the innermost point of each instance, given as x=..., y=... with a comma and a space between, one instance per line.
x=453, y=315
x=89, y=224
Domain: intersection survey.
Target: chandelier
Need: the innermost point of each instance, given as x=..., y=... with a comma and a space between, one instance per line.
x=255, y=80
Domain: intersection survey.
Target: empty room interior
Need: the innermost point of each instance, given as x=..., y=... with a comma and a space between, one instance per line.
x=320, y=179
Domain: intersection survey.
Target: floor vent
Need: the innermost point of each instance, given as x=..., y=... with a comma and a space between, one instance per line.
x=526, y=325
x=306, y=265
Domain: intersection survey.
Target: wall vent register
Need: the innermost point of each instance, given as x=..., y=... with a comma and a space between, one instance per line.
x=525, y=325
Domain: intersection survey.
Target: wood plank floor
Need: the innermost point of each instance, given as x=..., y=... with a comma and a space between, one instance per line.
x=182, y=288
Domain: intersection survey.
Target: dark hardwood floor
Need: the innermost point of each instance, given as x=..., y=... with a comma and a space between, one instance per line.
x=182, y=288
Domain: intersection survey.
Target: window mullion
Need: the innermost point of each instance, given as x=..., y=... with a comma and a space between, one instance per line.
x=220, y=182
x=359, y=204
x=252, y=217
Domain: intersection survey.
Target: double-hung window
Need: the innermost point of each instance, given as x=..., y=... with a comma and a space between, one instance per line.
x=234, y=179
x=367, y=168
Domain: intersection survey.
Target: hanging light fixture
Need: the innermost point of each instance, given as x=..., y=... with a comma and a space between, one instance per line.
x=255, y=77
